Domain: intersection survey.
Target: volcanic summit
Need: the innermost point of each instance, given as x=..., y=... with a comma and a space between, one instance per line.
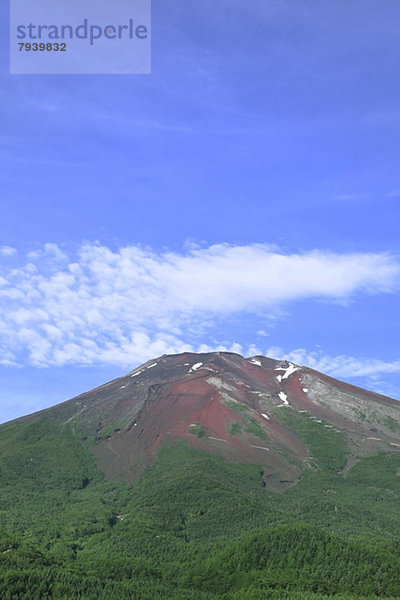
x=242, y=409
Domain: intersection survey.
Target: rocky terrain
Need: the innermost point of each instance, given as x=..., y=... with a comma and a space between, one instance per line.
x=242, y=409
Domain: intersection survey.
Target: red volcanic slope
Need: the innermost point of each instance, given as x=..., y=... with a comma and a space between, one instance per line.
x=227, y=405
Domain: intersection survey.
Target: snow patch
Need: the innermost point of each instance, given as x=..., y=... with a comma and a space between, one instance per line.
x=283, y=397
x=122, y=387
x=138, y=373
x=254, y=361
x=279, y=378
x=265, y=416
x=288, y=370
x=305, y=390
x=152, y=365
x=196, y=366
x=259, y=447
x=264, y=395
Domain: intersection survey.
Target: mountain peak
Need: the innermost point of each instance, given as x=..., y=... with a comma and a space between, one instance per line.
x=250, y=410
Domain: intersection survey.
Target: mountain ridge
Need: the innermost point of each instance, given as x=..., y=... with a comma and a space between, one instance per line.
x=204, y=477
x=228, y=405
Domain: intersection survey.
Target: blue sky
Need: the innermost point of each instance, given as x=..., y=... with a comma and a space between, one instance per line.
x=245, y=196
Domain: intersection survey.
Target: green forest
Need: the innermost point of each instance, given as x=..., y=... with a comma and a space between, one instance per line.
x=194, y=526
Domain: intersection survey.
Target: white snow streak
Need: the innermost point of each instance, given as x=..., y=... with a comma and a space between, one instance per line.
x=283, y=397
x=288, y=371
x=254, y=361
x=196, y=366
x=138, y=373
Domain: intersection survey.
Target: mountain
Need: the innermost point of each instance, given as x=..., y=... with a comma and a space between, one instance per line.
x=248, y=410
x=209, y=476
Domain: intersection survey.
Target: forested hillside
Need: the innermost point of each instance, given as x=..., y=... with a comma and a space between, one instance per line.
x=194, y=527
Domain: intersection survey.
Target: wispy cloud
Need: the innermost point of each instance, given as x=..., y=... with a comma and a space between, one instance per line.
x=96, y=305
x=7, y=251
x=341, y=366
x=352, y=197
x=393, y=193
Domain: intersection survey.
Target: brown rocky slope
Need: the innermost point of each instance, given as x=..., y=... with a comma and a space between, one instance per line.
x=228, y=405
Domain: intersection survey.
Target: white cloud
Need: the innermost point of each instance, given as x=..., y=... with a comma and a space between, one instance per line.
x=340, y=366
x=7, y=251
x=121, y=307
x=48, y=251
